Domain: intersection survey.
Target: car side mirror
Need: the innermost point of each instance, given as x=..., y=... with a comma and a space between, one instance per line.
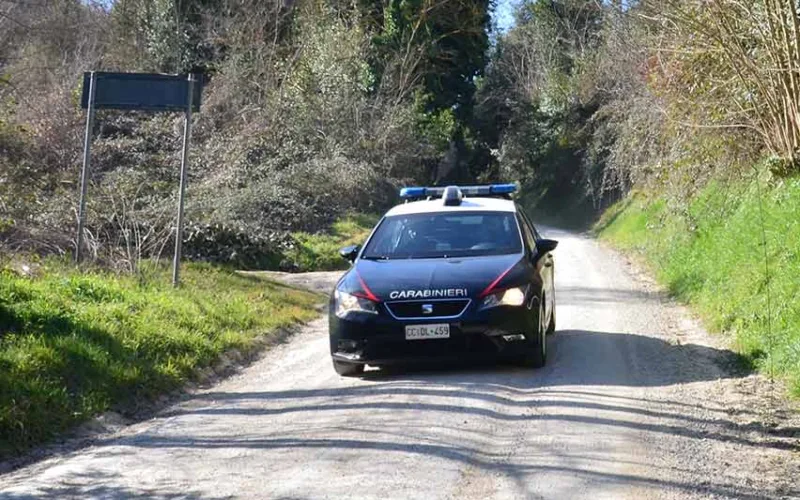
x=544, y=246
x=350, y=252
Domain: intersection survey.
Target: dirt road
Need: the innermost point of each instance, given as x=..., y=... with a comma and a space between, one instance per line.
x=635, y=402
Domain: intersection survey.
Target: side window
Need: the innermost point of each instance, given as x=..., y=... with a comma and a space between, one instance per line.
x=530, y=241
x=536, y=234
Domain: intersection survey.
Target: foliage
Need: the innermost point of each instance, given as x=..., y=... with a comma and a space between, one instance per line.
x=240, y=248
x=320, y=252
x=533, y=108
x=303, y=102
x=713, y=258
x=725, y=63
x=594, y=98
x=443, y=45
x=73, y=345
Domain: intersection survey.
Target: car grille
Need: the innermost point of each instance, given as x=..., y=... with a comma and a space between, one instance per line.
x=415, y=308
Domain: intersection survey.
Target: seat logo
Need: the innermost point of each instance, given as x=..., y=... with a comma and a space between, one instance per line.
x=427, y=308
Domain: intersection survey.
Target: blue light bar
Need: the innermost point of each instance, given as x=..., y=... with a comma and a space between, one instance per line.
x=489, y=190
x=504, y=188
x=412, y=192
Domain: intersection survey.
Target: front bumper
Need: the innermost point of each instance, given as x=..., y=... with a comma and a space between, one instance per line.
x=379, y=339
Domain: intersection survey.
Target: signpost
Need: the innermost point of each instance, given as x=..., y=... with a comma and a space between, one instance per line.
x=145, y=92
x=187, y=130
x=87, y=152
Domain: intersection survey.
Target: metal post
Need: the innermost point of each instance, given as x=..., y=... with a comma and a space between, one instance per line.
x=187, y=130
x=87, y=156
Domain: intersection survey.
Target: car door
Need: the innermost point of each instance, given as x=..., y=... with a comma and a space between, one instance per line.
x=536, y=278
x=545, y=266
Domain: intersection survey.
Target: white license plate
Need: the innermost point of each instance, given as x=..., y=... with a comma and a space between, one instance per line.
x=422, y=332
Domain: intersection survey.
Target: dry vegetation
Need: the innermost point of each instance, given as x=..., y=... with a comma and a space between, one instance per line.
x=312, y=109
x=666, y=94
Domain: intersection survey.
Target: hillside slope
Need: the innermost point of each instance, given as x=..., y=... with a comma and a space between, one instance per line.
x=711, y=255
x=73, y=345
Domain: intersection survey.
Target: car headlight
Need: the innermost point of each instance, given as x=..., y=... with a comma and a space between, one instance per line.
x=345, y=303
x=508, y=297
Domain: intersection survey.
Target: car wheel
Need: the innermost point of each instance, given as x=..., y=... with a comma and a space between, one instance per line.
x=537, y=356
x=551, y=327
x=347, y=369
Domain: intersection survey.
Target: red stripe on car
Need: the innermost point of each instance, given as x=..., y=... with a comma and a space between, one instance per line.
x=494, y=283
x=367, y=292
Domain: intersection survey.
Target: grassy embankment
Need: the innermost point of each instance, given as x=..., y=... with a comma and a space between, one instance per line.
x=712, y=257
x=320, y=252
x=73, y=345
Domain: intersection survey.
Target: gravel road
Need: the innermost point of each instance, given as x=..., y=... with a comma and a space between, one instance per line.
x=636, y=402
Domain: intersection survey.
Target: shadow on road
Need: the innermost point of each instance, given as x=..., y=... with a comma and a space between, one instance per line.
x=100, y=484
x=589, y=358
x=575, y=389
x=578, y=358
x=463, y=454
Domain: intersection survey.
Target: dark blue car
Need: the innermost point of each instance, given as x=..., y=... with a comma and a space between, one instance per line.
x=456, y=272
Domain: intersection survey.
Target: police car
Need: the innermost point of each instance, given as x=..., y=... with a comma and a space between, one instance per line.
x=453, y=272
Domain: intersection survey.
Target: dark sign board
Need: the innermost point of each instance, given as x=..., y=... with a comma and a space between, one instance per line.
x=141, y=91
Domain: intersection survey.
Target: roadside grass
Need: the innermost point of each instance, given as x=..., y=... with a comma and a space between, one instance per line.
x=320, y=251
x=711, y=256
x=73, y=345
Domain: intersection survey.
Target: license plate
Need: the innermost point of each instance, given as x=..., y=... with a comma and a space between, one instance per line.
x=422, y=332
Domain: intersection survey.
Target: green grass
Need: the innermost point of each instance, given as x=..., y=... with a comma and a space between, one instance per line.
x=320, y=251
x=712, y=257
x=73, y=345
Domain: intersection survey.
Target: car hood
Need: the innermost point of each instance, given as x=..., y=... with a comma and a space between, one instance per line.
x=410, y=279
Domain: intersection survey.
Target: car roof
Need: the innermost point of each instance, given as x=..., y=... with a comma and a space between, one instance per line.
x=467, y=205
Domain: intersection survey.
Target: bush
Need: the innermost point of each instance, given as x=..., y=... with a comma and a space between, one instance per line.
x=320, y=251
x=295, y=130
x=235, y=246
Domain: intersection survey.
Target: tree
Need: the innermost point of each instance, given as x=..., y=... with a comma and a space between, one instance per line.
x=731, y=64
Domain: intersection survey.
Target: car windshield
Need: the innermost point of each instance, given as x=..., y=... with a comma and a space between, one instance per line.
x=439, y=235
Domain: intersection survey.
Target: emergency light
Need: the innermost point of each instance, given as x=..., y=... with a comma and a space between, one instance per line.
x=437, y=192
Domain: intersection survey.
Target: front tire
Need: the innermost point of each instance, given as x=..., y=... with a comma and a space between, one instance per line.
x=347, y=369
x=551, y=327
x=537, y=356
